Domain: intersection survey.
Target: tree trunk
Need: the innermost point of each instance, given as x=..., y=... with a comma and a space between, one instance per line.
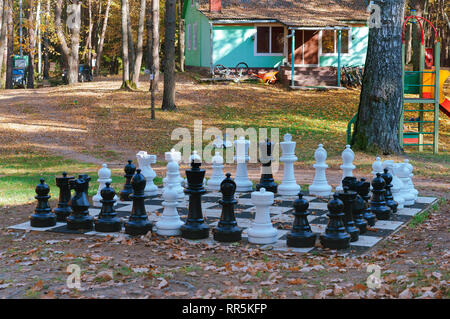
x=9, y=65
x=148, y=48
x=379, y=110
x=139, y=45
x=31, y=48
x=102, y=38
x=181, y=36
x=3, y=32
x=75, y=46
x=416, y=37
x=125, y=61
x=169, y=56
x=131, y=54
x=46, y=43
x=155, y=42
x=89, y=37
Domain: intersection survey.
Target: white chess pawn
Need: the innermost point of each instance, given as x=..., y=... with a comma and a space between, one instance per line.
x=320, y=185
x=396, y=184
x=173, y=175
x=261, y=230
x=411, y=187
x=104, y=176
x=288, y=186
x=347, y=167
x=402, y=171
x=170, y=222
x=243, y=183
x=377, y=167
x=217, y=175
x=176, y=156
x=144, y=161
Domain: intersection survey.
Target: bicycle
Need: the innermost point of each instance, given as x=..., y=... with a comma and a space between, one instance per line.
x=236, y=74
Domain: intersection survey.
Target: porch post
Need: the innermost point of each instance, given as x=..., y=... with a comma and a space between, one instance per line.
x=339, y=59
x=293, y=58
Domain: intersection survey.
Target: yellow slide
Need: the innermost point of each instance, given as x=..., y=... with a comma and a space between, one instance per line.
x=428, y=91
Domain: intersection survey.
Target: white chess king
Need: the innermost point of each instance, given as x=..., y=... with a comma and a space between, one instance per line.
x=261, y=230
x=288, y=186
x=144, y=161
x=320, y=186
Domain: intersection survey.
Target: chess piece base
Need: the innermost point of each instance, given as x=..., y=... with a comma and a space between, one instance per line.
x=227, y=234
x=288, y=190
x=353, y=232
x=108, y=225
x=392, y=205
x=370, y=217
x=195, y=231
x=301, y=239
x=43, y=220
x=83, y=222
x=382, y=213
x=339, y=241
x=125, y=194
x=168, y=228
x=62, y=213
x=138, y=227
x=262, y=234
x=361, y=224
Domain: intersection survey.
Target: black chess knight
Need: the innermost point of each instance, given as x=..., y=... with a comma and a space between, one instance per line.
x=43, y=216
x=301, y=234
x=80, y=218
x=127, y=190
x=63, y=210
x=266, y=181
x=227, y=229
x=138, y=223
x=107, y=220
x=335, y=236
x=195, y=226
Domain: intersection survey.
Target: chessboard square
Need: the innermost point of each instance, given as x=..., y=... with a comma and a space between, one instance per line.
x=387, y=224
x=243, y=222
x=318, y=206
x=126, y=208
x=245, y=201
x=274, y=210
x=212, y=213
x=94, y=211
x=281, y=233
x=281, y=245
x=208, y=204
x=27, y=226
x=125, y=203
x=309, y=198
x=152, y=208
x=425, y=200
x=408, y=211
x=96, y=233
x=318, y=228
x=320, y=220
x=366, y=241
x=213, y=194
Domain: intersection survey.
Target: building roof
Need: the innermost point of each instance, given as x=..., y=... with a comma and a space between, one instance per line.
x=297, y=13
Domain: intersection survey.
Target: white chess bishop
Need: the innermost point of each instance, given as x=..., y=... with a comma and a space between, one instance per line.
x=173, y=178
x=347, y=167
x=243, y=183
x=402, y=171
x=217, y=175
x=320, y=186
x=104, y=176
x=396, y=184
x=144, y=161
x=288, y=186
x=261, y=230
x=170, y=222
x=410, y=185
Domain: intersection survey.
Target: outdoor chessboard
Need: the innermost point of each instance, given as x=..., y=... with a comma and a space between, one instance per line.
x=281, y=215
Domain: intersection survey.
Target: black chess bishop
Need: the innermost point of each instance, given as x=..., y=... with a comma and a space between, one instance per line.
x=43, y=216
x=107, y=220
x=301, y=235
x=138, y=223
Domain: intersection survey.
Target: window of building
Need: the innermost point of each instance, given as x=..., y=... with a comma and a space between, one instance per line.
x=330, y=42
x=269, y=40
x=194, y=37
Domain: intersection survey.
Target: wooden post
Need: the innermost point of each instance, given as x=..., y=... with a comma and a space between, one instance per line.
x=339, y=59
x=437, y=63
x=293, y=59
x=400, y=126
x=421, y=68
x=152, y=91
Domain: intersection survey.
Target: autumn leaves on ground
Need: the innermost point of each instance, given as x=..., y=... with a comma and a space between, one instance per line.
x=49, y=130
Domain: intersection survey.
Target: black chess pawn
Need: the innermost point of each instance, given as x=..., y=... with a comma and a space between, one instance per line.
x=335, y=236
x=63, y=210
x=195, y=227
x=363, y=191
x=43, y=216
x=227, y=229
x=138, y=223
x=377, y=202
x=80, y=218
x=107, y=220
x=127, y=190
x=348, y=197
x=389, y=198
x=359, y=204
x=266, y=180
x=301, y=235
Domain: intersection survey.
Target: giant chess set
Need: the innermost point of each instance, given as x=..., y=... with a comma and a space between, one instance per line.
x=357, y=216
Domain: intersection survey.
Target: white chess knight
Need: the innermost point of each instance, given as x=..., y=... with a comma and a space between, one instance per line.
x=170, y=222
x=173, y=178
x=104, y=176
x=288, y=186
x=243, y=183
x=261, y=230
x=217, y=175
x=144, y=161
x=377, y=167
x=397, y=184
x=402, y=171
x=410, y=185
x=347, y=167
x=320, y=185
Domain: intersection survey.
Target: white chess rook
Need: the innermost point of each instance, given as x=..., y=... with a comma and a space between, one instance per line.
x=261, y=230
x=320, y=185
x=217, y=175
x=104, y=176
x=288, y=186
x=145, y=160
x=243, y=183
x=347, y=167
x=396, y=183
x=170, y=222
x=173, y=178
